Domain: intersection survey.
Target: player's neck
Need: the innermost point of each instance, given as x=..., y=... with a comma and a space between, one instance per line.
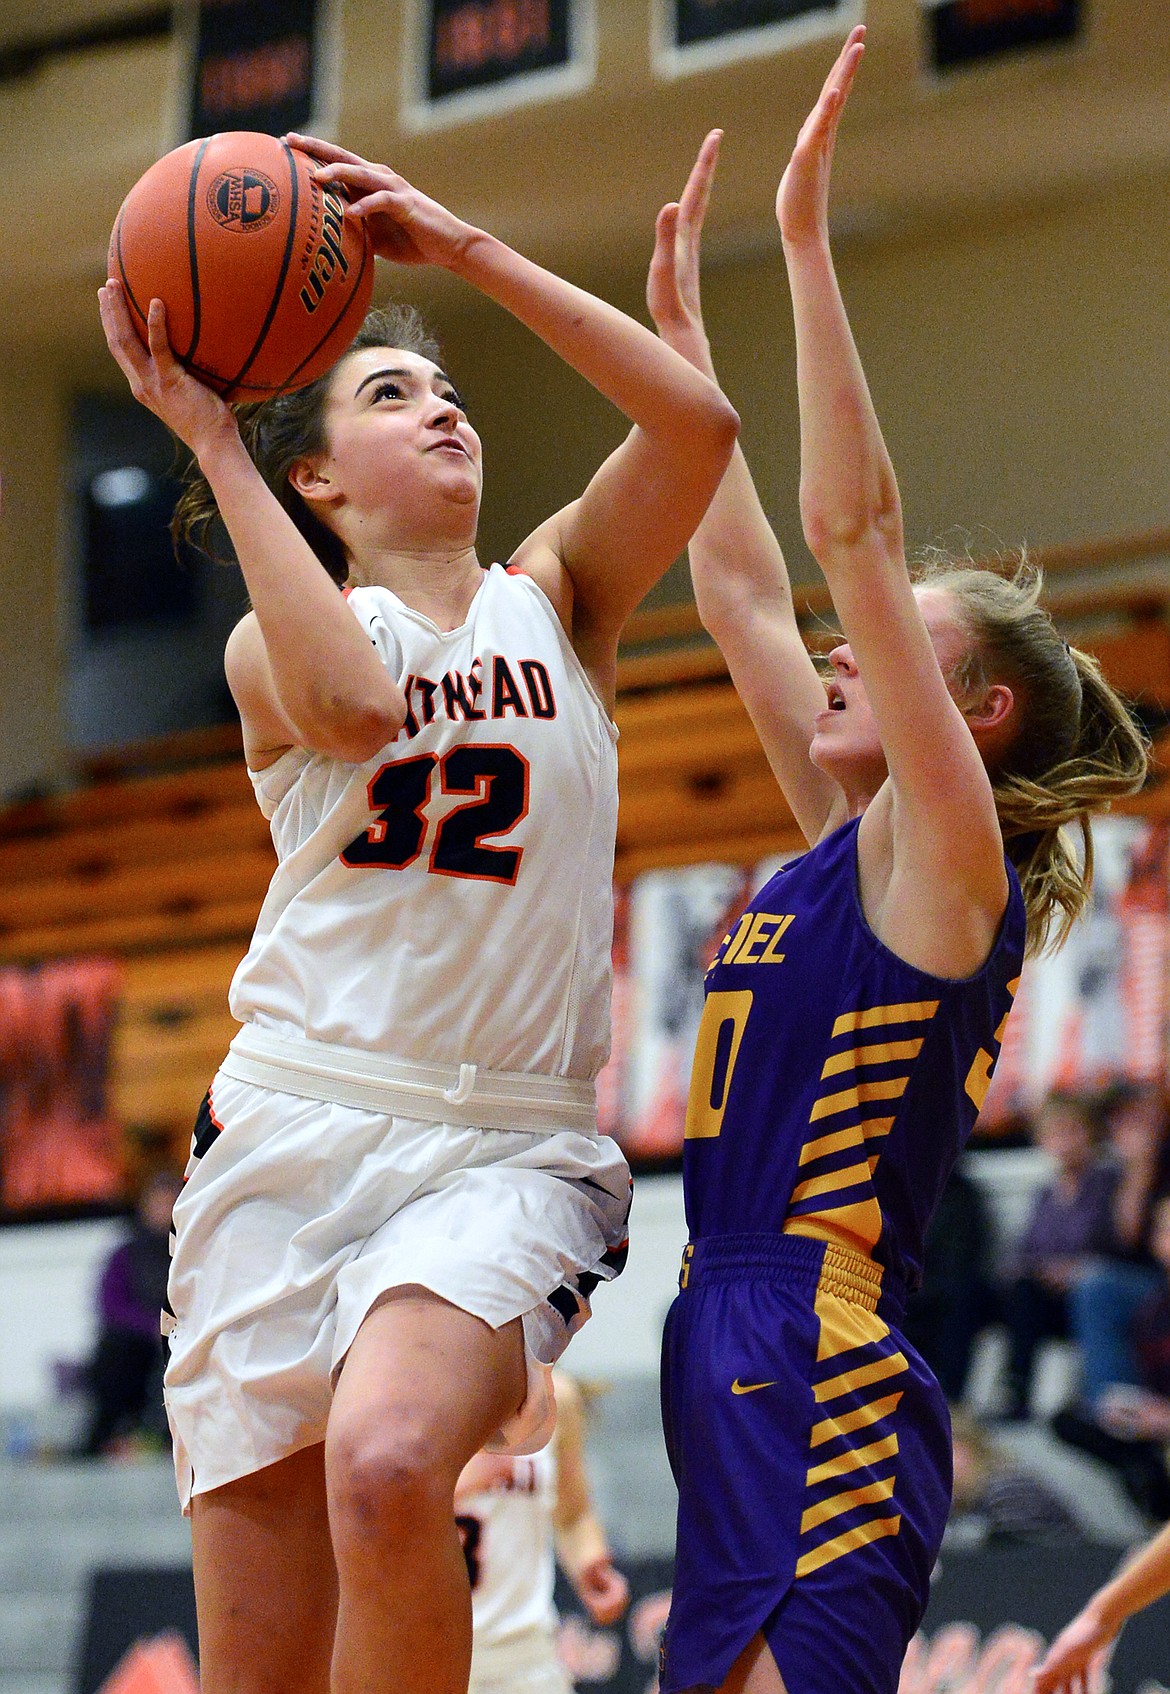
x=439, y=582
x=860, y=781
x=858, y=798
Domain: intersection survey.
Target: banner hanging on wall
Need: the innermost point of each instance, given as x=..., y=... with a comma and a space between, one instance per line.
x=257, y=64
x=59, y=1143
x=1098, y=1011
x=962, y=32
x=473, y=58
x=696, y=34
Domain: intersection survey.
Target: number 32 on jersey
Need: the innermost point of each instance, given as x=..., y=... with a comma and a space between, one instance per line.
x=496, y=776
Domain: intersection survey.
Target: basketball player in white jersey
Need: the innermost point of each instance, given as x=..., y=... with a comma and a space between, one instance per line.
x=518, y=1518
x=398, y=1203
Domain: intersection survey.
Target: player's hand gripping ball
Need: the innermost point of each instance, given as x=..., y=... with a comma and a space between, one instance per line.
x=265, y=276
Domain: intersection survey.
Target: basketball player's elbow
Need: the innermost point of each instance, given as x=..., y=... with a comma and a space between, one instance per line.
x=698, y=437
x=844, y=526
x=355, y=724
x=718, y=599
x=719, y=422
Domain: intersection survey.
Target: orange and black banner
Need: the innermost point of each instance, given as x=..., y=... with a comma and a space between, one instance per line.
x=712, y=20
x=255, y=65
x=961, y=32
x=474, y=44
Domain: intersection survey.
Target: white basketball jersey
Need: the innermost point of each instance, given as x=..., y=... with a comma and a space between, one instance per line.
x=450, y=900
x=507, y=1533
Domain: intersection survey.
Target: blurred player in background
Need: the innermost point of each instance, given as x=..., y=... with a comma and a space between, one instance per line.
x=518, y=1517
x=855, y=1012
x=398, y=1203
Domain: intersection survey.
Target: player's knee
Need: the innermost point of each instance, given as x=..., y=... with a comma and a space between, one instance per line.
x=384, y=1482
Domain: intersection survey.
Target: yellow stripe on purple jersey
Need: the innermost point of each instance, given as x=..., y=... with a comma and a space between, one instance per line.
x=833, y=1088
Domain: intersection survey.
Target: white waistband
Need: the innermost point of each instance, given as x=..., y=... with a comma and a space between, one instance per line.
x=458, y=1094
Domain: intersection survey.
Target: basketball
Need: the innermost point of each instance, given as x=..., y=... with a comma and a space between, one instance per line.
x=264, y=277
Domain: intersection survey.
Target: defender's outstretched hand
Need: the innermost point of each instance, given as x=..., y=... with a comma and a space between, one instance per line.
x=737, y=568
x=802, y=201
x=194, y=412
x=672, y=286
x=405, y=226
x=1071, y=1662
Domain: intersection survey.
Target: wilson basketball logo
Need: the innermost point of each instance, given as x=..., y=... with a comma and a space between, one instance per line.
x=330, y=253
x=243, y=200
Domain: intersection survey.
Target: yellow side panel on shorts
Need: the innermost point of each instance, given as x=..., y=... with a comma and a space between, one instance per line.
x=851, y=1332
x=861, y=1417
x=859, y=1536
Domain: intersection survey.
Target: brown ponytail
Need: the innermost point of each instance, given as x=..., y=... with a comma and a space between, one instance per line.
x=279, y=431
x=1077, y=749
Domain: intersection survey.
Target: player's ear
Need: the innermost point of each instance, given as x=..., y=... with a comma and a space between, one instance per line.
x=312, y=481
x=993, y=709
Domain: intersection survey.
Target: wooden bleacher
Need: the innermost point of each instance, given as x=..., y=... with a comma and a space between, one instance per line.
x=166, y=868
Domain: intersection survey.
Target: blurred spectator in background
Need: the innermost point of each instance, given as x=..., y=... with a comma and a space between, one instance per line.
x=1070, y=1224
x=1128, y=1424
x=124, y=1375
x=1104, y=1300
x=995, y=1500
x=956, y=1299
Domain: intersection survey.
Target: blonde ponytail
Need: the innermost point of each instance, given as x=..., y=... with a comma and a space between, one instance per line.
x=1077, y=749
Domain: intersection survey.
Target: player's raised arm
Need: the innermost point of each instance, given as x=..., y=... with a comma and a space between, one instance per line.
x=300, y=666
x=643, y=504
x=945, y=831
x=740, y=578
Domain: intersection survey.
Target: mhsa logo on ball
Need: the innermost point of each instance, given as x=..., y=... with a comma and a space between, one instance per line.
x=243, y=200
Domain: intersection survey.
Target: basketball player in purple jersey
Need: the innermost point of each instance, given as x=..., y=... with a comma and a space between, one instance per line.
x=855, y=1012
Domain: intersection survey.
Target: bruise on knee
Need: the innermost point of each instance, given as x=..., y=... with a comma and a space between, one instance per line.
x=385, y=1480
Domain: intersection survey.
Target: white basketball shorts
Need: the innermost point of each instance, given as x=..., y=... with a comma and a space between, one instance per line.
x=527, y=1663
x=299, y=1213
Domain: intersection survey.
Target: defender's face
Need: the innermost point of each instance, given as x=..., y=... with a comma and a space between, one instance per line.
x=846, y=744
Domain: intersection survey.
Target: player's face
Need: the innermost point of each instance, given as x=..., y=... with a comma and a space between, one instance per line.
x=846, y=744
x=400, y=445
